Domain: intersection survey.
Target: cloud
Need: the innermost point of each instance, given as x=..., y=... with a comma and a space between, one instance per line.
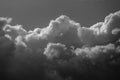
x=56, y=32
x=99, y=62
x=103, y=32
x=62, y=30
x=7, y=48
x=3, y=22
x=63, y=49
x=66, y=31
x=97, y=51
x=54, y=50
x=15, y=31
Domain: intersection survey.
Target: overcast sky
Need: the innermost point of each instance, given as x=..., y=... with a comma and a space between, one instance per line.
x=38, y=13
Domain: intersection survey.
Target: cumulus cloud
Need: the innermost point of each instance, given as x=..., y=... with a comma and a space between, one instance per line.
x=98, y=52
x=63, y=49
x=62, y=30
x=66, y=31
x=56, y=31
x=54, y=50
x=102, y=32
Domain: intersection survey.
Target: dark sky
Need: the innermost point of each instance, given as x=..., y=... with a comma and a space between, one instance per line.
x=38, y=13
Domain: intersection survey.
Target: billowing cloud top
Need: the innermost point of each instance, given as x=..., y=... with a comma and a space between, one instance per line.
x=68, y=32
x=63, y=40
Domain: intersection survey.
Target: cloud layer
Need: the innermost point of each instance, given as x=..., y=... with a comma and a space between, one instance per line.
x=63, y=50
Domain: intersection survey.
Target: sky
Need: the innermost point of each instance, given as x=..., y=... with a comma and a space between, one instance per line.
x=38, y=13
x=59, y=40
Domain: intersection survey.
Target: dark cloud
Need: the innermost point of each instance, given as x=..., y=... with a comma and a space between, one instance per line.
x=100, y=62
x=63, y=50
x=7, y=48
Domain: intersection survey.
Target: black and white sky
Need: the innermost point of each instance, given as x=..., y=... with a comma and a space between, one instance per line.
x=39, y=12
x=59, y=39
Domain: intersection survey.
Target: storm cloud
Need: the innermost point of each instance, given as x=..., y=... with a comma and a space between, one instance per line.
x=63, y=50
